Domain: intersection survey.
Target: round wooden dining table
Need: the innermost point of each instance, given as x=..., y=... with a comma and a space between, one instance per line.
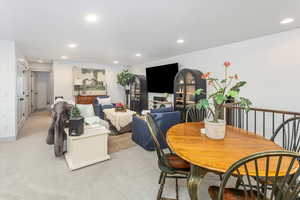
x=209, y=155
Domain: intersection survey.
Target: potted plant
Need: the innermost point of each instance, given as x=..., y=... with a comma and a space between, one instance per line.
x=124, y=78
x=224, y=90
x=76, y=122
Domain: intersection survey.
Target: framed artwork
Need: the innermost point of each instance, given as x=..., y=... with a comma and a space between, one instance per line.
x=89, y=81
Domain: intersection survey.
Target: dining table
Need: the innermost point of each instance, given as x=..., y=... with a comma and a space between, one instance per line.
x=211, y=155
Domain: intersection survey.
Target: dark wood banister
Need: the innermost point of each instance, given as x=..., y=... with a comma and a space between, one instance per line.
x=263, y=110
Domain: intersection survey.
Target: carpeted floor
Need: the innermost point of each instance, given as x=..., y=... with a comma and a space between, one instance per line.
x=30, y=171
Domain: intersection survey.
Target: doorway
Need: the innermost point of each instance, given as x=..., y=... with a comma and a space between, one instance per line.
x=41, y=90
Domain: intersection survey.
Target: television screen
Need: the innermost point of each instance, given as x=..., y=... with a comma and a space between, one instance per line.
x=160, y=79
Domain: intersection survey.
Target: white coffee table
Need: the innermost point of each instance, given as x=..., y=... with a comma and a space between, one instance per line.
x=87, y=149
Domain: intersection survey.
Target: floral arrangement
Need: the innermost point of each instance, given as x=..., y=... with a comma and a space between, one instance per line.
x=120, y=107
x=225, y=90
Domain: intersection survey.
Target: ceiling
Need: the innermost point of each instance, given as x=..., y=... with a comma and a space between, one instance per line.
x=43, y=29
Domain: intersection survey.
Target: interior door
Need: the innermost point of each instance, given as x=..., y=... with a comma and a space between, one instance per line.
x=21, y=116
x=33, y=91
x=42, y=89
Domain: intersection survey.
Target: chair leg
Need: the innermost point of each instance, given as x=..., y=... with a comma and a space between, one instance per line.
x=220, y=177
x=176, y=185
x=162, y=184
x=238, y=183
x=160, y=177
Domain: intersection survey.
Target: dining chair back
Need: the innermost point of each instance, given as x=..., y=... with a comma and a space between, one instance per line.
x=171, y=165
x=289, y=138
x=155, y=134
x=281, y=184
x=194, y=114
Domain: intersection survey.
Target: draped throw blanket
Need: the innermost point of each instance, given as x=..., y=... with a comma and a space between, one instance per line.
x=56, y=133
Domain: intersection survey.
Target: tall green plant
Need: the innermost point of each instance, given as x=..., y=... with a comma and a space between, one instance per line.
x=124, y=77
x=224, y=89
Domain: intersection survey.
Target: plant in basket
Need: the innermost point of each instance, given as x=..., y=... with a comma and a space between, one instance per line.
x=224, y=90
x=76, y=122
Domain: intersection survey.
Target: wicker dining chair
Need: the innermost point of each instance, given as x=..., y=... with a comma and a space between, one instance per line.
x=286, y=187
x=170, y=165
x=290, y=137
x=194, y=114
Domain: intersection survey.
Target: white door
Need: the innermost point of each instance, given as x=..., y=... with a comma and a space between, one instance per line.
x=21, y=115
x=42, y=89
x=33, y=92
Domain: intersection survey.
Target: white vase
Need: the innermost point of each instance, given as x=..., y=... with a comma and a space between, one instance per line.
x=215, y=130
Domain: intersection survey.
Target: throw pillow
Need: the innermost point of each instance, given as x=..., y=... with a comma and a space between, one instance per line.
x=86, y=110
x=104, y=101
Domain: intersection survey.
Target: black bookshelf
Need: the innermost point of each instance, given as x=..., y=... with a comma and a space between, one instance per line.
x=186, y=82
x=138, y=93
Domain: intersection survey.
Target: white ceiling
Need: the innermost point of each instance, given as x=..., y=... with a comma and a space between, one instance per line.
x=43, y=28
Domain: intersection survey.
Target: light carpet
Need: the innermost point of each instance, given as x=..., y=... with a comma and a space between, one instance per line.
x=30, y=171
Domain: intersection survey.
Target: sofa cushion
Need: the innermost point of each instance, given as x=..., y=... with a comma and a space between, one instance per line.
x=161, y=110
x=141, y=134
x=86, y=110
x=166, y=120
x=104, y=101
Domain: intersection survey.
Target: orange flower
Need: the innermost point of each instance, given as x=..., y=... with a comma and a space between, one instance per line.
x=236, y=76
x=231, y=77
x=206, y=75
x=227, y=63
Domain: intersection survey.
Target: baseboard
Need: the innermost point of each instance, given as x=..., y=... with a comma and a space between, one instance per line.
x=8, y=139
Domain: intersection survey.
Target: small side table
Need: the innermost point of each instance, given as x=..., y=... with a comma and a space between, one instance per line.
x=87, y=149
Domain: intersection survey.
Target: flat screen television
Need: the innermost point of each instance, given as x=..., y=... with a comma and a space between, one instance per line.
x=160, y=79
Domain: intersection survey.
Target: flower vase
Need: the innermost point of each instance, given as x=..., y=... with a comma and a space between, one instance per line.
x=215, y=130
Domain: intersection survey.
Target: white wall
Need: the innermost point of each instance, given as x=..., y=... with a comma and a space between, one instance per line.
x=63, y=79
x=40, y=67
x=7, y=90
x=270, y=65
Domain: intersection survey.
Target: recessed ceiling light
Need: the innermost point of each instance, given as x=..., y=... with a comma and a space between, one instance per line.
x=286, y=21
x=72, y=45
x=64, y=57
x=138, y=55
x=116, y=62
x=91, y=18
x=180, y=41
x=40, y=61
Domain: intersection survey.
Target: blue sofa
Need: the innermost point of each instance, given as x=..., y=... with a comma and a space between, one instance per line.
x=98, y=108
x=164, y=117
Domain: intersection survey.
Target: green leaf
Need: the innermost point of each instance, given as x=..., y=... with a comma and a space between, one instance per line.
x=124, y=77
x=199, y=91
x=202, y=103
x=237, y=86
x=245, y=103
x=233, y=93
x=220, y=98
x=212, y=79
x=223, y=81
